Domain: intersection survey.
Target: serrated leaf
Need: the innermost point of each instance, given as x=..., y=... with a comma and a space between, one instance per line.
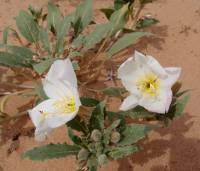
x=97, y=117
x=107, y=12
x=146, y=22
x=118, y=19
x=125, y=41
x=89, y=102
x=51, y=151
x=75, y=139
x=53, y=17
x=44, y=38
x=83, y=16
x=119, y=152
x=134, y=132
x=62, y=31
x=180, y=105
x=27, y=26
x=97, y=35
x=41, y=67
x=77, y=124
x=114, y=91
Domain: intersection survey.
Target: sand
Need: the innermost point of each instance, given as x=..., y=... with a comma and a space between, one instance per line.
x=176, y=148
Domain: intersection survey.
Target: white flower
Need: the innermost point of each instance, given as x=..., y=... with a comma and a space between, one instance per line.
x=148, y=83
x=60, y=85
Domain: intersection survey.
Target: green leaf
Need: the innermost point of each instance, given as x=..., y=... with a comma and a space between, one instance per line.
x=10, y=60
x=75, y=54
x=134, y=132
x=39, y=91
x=77, y=124
x=53, y=17
x=23, y=55
x=75, y=139
x=41, y=67
x=45, y=39
x=125, y=41
x=146, y=22
x=97, y=35
x=108, y=130
x=89, y=102
x=119, y=3
x=139, y=112
x=97, y=117
x=114, y=91
x=62, y=31
x=107, y=12
x=180, y=105
x=27, y=26
x=51, y=151
x=75, y=65
x=119, y=152
x=118, y=19
x=5, y=35
x=78, y=42
x=83, y=16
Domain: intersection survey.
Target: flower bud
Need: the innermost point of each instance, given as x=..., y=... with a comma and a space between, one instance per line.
x=83, y=154
x=96, y=135
x=115, y=137
x=102, y=159
x=176, y=87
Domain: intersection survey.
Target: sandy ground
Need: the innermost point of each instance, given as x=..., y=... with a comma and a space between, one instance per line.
x=178, y=44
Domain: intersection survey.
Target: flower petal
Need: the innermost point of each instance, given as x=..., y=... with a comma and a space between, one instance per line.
x=42, y=131
x=127, y=69
x=156, y=67
x=62, y=70
x=159, y=104
x=37, y=112
x=173, y=75
x=55, y=89
x=60, y=119
x=129, y=103
x=140, y=58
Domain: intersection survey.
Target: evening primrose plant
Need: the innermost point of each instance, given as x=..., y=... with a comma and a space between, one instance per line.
x=65, y=57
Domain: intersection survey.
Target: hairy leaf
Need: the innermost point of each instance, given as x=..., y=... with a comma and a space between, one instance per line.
x=97, y=117
x=107, y=12
x=97, y=35
x=44, y=38
x=41, y=67
x=114, y=91
x=5, y=35
x=139, y=112
x=146, y=22
x=119, y=152
x=51, y=151
x=62, y=31
x=134, y=132
x=83, y=16
x=27, y=26
x=89, y=102
x=125, y=41
x=54, y=17
x=75, y=139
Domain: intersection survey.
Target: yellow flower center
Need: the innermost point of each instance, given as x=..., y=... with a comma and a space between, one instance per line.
x=65, y=105
x=149, y=84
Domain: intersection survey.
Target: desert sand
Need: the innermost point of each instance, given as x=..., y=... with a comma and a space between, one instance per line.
x=177, y=43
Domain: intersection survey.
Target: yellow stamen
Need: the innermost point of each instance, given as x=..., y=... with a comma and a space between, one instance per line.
x=149, y=84
x=65, y=105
